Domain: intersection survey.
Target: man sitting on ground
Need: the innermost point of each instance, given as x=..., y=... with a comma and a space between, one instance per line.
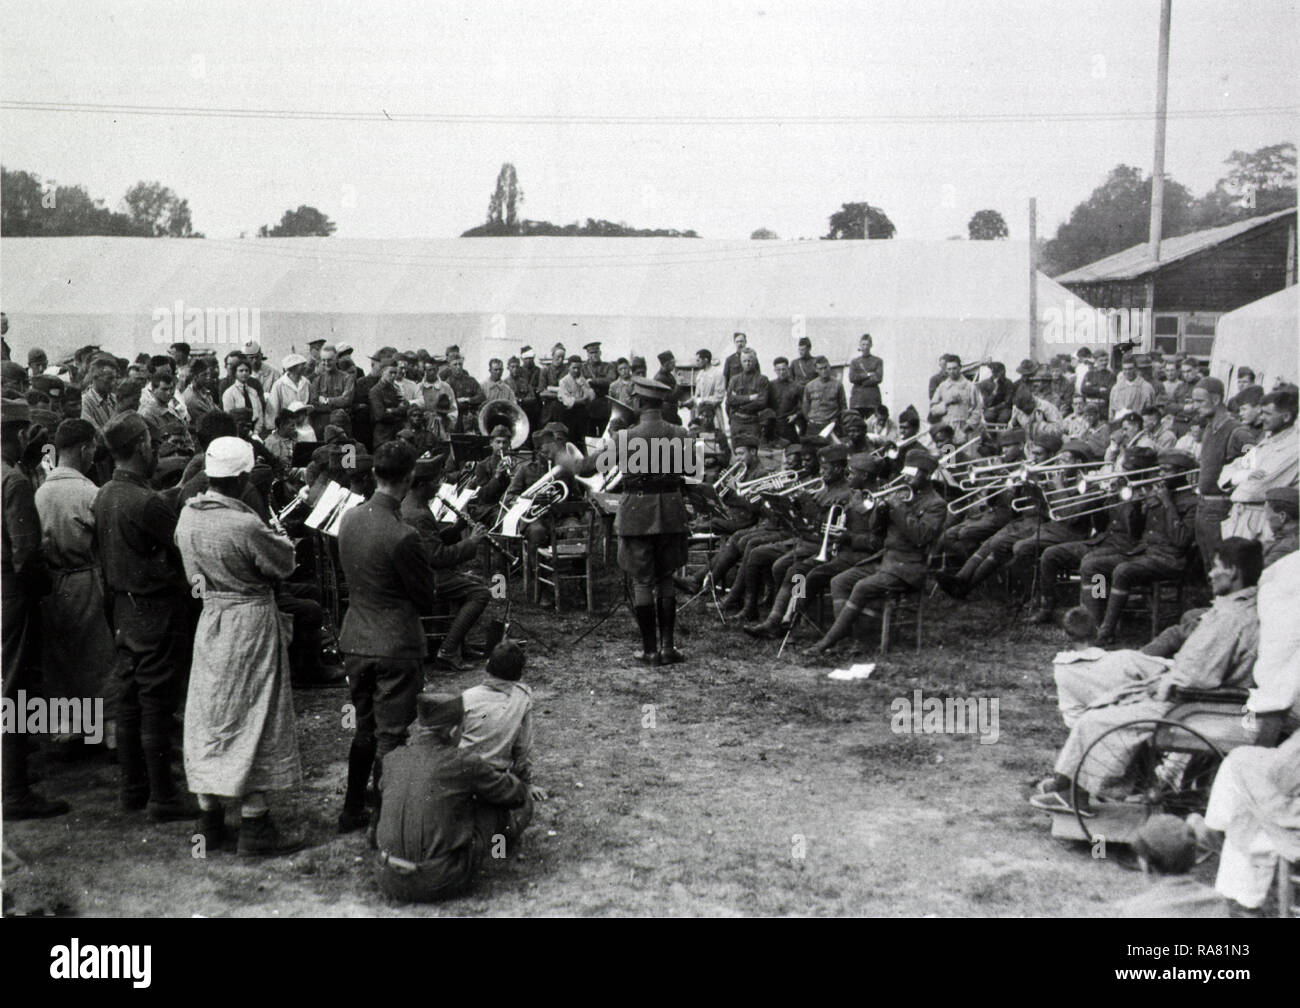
x=442, y=807
x=1166, y=848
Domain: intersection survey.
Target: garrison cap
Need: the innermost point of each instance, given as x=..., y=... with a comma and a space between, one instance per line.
x=439, y=710
x=745, y=441
x=1178, y=459
x=123, y=430
x=922, y=460
x=1081, y=449
x=1284, y=499
x=15, y=411
x=1014, y=436
x=834, y=453
x=1140, y=458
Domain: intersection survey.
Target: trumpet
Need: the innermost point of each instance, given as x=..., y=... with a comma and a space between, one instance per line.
x=726, y=481
x=767, y=483
x=836, y=523
x=873, y=499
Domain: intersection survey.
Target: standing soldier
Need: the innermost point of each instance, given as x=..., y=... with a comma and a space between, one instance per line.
x=25, y=581
x=390, y=584
x=865, y=374
x=652, y=525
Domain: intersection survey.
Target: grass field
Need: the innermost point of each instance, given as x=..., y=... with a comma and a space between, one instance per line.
x=736, y=784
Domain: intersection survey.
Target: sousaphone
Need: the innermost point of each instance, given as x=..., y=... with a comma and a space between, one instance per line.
x=503, y=413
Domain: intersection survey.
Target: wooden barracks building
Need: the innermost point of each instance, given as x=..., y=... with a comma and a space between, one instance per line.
x=1199, y=277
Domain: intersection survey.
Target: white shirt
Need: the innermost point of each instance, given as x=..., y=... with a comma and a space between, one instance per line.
x=1277, y=670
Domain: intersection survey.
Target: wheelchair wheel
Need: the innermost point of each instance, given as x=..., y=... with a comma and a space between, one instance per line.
x=1172, y=772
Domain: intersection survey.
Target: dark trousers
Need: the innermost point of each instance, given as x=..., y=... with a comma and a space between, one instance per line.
x=21, y=657
x=431, y=881
x=469, y=598
x=152, y=634
x=303, y=603
x=383, y=698
x=1210, y=512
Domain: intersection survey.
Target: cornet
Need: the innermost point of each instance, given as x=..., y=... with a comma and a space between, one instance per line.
x=873, y=499
x=726, y=481
x=836, y=523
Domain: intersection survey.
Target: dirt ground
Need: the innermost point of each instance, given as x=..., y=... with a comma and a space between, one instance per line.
x=735, y=784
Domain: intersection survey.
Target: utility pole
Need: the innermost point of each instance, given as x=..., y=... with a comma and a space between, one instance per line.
x=1158, y=171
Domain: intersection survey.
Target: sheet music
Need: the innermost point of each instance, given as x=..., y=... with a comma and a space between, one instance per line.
x=334, y=502
x=510, y=523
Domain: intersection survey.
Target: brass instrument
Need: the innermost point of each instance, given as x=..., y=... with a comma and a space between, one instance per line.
x=726, y=481
x=871, y=499
x=890, y=450
x=809, y=486
x=503, y=413
x=550, y=489
x=1093, y=494
x=836, y=522
x=278, y=518
x=767, y=483
x=981, y=493
x=621, y=413
x=1126, y=492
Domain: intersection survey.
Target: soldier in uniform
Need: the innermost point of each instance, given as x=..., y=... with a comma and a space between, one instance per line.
x=595, y=369
x=1168, y=538
x=911, y=530
x=653, y=527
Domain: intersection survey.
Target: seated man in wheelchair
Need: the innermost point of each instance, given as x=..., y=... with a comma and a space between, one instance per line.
x=1107, y=690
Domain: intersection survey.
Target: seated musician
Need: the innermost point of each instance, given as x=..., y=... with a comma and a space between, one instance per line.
x=547, y=443
x=766, y=530
x=775, y=558
x=492, y=476
x=742, y=513
x=910, y=530
x=468, y=596
x=1168, y=539
x=1119, y=525
x=849, y=547
x=1063, y=528
x=854, y=430
x=1132, y=685
x=968, y=529
x=999, y=549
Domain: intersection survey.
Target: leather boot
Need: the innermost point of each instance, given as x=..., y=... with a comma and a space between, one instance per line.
x=361, y=759
x=212, y=827
x=133, y=773
x=645, y=621
x=167, y=803
x=987, y=566
x=841, y=628
x=1096, y=607
x=466, y=616
x=735, y=600
x=260, y=837
x=668, y=653
x=1114, y=608
x=771, y=626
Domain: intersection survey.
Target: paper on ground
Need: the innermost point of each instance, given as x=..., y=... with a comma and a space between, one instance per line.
x=859, y=671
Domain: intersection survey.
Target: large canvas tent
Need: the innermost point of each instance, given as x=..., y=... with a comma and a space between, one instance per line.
x=1263, y=335
x=490, y=296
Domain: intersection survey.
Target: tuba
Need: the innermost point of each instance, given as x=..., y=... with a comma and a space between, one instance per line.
x=620, y=413
x=504, y=413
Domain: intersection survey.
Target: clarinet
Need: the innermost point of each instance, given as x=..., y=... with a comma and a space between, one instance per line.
x=488, y=539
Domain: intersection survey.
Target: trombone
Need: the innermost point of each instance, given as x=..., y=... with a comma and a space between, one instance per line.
x=1084, y=498
x=809, y=486
x=771, y=482
x=1126, y=492
x=890, y=450
x=981, y=493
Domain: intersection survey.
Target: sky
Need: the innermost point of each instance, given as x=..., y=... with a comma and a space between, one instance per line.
x=776, y=112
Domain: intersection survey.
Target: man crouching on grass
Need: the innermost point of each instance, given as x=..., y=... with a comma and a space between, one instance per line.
x=498, y=725
x=443, y=808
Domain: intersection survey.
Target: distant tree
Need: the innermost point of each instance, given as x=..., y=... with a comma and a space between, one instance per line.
x=157, y=211
x=503, y=207
x=764, y=234
x=1115, y=217
x=860, y=220
x=1260, y=182
x=591, y=228
x=33, y=208
x=305, y=222
x=987, y=225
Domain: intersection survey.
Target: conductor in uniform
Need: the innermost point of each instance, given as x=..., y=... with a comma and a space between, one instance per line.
x=652, y=524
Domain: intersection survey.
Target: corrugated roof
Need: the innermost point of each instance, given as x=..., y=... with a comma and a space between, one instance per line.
x=1136, y=261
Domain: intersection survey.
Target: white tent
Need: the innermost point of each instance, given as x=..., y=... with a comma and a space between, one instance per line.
x=1263, y=335
x=490, y=296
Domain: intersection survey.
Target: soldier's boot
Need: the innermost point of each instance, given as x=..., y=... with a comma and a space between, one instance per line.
x=645, y=621
x=1114, y=609
x=770, y=627
x=668, y=653
x=167, y=802
x=735, y=600
x=1088, y=601
x=361, y=758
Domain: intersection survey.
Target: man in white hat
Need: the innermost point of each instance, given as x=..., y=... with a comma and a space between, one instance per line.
x=240, y=735
x=292, y=386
